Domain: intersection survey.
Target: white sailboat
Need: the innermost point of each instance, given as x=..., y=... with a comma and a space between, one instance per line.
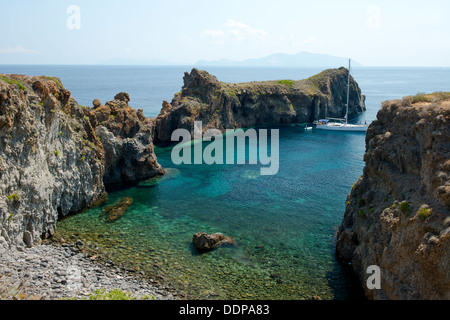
x=334, y=124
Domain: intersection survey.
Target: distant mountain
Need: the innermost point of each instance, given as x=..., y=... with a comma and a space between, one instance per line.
x=135, y=62
x=302, y=59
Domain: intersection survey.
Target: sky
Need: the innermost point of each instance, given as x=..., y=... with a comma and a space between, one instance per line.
x=374, y=33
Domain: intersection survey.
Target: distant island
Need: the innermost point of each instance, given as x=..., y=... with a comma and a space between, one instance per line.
x=301, y=59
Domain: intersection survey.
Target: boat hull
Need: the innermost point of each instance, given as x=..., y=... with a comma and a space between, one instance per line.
x=351, y=128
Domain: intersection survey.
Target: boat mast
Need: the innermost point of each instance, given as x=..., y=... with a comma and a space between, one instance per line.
x=348, y=91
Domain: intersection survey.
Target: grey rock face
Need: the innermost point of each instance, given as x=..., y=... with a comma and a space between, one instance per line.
x=398, y=213
x=127, y=138
x=57, y=156
x=51, y=161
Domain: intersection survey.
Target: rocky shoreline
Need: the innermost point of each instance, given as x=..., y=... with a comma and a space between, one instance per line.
x=54, y=271
x=397, y=214
x=57, y=158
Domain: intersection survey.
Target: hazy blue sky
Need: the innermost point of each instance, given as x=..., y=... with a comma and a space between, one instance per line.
x=375, y=33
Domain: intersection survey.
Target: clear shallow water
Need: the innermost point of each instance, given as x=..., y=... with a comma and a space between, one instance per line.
x=284, y=225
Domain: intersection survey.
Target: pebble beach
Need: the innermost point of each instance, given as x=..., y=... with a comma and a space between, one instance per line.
x=61, y=271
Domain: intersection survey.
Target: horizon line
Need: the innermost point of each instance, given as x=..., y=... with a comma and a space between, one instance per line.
x=205, y=65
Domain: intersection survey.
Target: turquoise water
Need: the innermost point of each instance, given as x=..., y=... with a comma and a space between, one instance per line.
x=284, y=225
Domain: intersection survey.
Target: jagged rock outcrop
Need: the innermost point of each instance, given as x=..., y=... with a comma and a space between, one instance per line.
x=224, y=106
x=57, y=156
x=126, y=135
x=398, y=213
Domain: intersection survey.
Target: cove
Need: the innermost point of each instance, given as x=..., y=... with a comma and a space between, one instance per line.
x=284, y=225
x=214, y=152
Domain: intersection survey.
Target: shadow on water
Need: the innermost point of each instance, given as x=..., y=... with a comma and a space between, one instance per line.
x=343, y=282
x=146, y=186
x=194, y=251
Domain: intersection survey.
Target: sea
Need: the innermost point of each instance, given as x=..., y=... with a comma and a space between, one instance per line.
x=284, y=225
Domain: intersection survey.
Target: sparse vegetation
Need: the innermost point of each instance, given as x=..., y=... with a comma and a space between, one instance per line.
x=55, y=80
x=289, y=83
x=57, y=153
x=115, y=295
x=14, y=82
x=426, y=98
x=424, y=213
x=421, y=97
x=405, y=208
x=440, y=96
x=13, y=197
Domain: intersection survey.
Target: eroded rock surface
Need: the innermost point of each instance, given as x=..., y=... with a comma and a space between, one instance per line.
x=224, y=106
x=127, y=138
x=57, y=156
x=397, y=215
x=51, y=161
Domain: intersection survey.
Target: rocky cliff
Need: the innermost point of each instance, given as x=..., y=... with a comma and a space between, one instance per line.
x=397, y=215
x=223, y=106
x=126, y=136
x=55, y=154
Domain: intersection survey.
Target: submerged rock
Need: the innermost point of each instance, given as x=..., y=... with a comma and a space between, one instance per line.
x=118, y=209
x=204, y=242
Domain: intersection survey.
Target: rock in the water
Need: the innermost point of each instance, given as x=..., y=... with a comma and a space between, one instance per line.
x=222, y=106
x=127, y=137
x=204, y=242
x=118, y=209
